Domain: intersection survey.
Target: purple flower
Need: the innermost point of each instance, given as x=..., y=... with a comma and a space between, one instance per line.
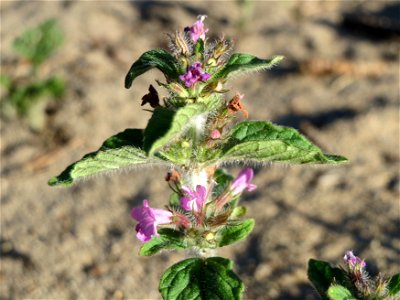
x=194, y=75
x=353, y=261
x=194, y=199
x=148, y=219
x=197, y=30
x=242, y=182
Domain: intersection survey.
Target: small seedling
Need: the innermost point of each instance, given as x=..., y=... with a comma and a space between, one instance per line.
x=27, y=96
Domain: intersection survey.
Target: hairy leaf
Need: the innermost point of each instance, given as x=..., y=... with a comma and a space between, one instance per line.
x=235, y=232
x=394, y=285
x=261, y=141
x=166, y=125
x=169, y=239
x=322, y=275
x=338, y=292
x=243, y=63
x=117, y=152
x=156, y=58
x=197, y=278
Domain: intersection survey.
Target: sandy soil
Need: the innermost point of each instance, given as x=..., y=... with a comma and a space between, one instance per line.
x=79, y=242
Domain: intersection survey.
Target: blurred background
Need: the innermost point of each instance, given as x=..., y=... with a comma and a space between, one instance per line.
x=339, y=85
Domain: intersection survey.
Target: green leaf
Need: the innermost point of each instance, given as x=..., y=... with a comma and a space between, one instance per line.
x=166, y=125
x=234, y=232
x=199, y=49
x=238, y=212
x=174, y=199
x=394, y=285
x=244, y=63
x=322, y=275
x=222, y=179
x=119, y=151
x=201, y=279
x=169, y=239
x=156, y=58
x=23, y=98
x=338, y=292
x=261, y=141
x=37, y=44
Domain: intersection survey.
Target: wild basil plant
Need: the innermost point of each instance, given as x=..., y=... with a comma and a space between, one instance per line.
x=193, y=132
x=352, y=281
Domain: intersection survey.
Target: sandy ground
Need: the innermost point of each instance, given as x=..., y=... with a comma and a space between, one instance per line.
x=79, y=242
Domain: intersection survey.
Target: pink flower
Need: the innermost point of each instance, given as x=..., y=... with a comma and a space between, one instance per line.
x=242, y=182
x=148, y=219
x=194, y=75
x=197, y=30
x=215, y=134
x=194, y=199
x=353, y=261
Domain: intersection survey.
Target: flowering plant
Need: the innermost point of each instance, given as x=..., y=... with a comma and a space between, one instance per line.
x=194, y=132
x=352, y=281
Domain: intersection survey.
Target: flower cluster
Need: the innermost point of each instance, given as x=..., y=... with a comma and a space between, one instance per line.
x=198, y=60
x=198, y=209
x=357, y=273
x=366, y=286
x=194, y=75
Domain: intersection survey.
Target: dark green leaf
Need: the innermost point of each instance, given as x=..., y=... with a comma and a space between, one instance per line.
x=201, y=279
x=394, y=285
x=169, y=239
x=338, y=292
x=39, y=43
x=322, y=275
x=234, y=232
x=166, y=125
x=244, y=63
x=261, y=141
x=156, y=58
x=119, y=151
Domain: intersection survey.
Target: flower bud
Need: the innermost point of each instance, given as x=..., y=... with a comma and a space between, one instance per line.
x=222, y=48
x=215, y=134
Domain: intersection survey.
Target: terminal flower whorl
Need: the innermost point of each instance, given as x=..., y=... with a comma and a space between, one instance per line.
x=194, y=74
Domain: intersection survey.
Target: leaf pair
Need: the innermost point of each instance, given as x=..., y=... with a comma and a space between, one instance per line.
x=165, y=62
x=256, y=141
x=170, y=239
x=200, y=278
